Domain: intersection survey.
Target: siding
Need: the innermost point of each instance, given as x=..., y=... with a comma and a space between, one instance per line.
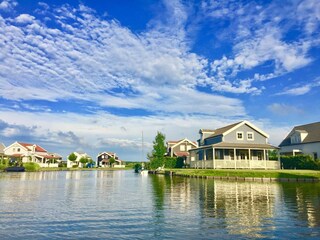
x=213, y=140
x=232, y=137
x=308, y=148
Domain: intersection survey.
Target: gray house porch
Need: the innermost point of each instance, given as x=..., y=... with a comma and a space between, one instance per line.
x=233, y=156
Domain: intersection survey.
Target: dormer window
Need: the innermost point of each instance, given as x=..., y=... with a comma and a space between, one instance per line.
x=239, y=135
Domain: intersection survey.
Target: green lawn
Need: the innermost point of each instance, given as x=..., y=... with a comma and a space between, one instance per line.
x=248, y=173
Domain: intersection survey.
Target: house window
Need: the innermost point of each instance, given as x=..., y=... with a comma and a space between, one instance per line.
x=13, y=149
x=18, y=149
x=188, y=147
x=182, y=147
x=250, y=136
x=315, y=155
x=239, y=135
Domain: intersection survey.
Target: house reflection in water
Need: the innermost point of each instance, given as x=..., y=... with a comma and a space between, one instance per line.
x=243, y=209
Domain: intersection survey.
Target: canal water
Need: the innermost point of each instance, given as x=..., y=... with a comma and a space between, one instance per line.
x=125, y=205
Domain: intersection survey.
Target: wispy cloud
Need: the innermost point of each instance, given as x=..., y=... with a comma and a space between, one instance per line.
x=88, y=57
x=300, y=90
x=283, y=109
x=259, y=36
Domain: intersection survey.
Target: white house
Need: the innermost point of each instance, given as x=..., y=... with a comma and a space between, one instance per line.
x=77, y=162
x=303, y=139
x=29, y=152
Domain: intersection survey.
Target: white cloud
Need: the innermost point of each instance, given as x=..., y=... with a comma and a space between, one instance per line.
x=7, y=5
x=259, y=37
x=90, y=57
x=10, y=132
x=24, y=18
x=284, y=109
x=301, y=90
x=104, y=132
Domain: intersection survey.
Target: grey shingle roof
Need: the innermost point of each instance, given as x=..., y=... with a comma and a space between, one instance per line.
x=313, y=130
x=222, y=130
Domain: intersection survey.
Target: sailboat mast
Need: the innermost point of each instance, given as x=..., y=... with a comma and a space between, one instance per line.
x=142, y=147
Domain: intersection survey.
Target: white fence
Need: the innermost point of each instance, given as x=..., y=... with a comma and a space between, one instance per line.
x=236, y=164
x=48, y=164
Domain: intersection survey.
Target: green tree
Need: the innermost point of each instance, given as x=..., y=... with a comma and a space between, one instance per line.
x=273, y=154
x=72, y=157
x=157, y=157
x=84, y=160
x=111, y=161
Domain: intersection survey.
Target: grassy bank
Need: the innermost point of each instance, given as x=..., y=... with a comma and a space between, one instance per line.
x=248, y=173
x=49, y=169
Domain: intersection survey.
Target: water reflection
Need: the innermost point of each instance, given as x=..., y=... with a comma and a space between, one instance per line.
x=242, y=209
x=124, y=205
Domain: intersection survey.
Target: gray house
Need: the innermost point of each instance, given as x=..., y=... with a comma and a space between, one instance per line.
x=304, y=139
x=239, y=145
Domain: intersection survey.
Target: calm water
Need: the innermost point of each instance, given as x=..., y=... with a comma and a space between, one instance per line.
x=123, y=205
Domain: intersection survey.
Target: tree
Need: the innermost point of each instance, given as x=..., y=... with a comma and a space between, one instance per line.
x=72, y=157
x=157, y=157
x=111, y=161
x=84, y=160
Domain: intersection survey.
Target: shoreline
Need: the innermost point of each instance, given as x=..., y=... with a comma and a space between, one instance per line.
x=74, y=169
x=246, y=175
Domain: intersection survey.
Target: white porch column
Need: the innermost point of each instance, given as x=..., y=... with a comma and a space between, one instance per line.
x=213, y=158
x=205, y=158
x=249, y=158
x=265, y=159
x=235, y=158
x=279, y=161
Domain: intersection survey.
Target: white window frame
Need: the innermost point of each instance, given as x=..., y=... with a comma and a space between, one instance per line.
x=238, y=137
x=252, y=139
x=189, y=147
x=184, y=148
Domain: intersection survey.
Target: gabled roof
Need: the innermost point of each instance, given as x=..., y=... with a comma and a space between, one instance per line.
x=227, y=129
x=2, y=147
x=30, y=145
x=111, y=154
x=180, y=141
x=313, y=130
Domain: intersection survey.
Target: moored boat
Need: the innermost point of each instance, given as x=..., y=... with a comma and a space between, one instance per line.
x=14, y=169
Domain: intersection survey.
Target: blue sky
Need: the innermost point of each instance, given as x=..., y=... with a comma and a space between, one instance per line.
x=92, y=75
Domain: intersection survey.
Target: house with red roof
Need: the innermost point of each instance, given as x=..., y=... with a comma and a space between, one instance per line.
x=29, y=152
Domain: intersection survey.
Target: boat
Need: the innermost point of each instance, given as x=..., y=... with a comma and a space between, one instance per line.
x=14, y=169
x=144, y=172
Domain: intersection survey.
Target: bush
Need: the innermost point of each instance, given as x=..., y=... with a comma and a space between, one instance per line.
x=62, y=164
x=172, y=162
x=3, y=166
x=31, y=167
x=299, y=162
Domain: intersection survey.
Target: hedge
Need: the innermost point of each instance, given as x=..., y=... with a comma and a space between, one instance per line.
x=300, y=162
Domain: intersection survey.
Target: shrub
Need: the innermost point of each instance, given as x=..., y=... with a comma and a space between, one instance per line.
x=31, y=167
x=62, y=164
x=170, y=162
x=299, y=162
x=3, y=166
